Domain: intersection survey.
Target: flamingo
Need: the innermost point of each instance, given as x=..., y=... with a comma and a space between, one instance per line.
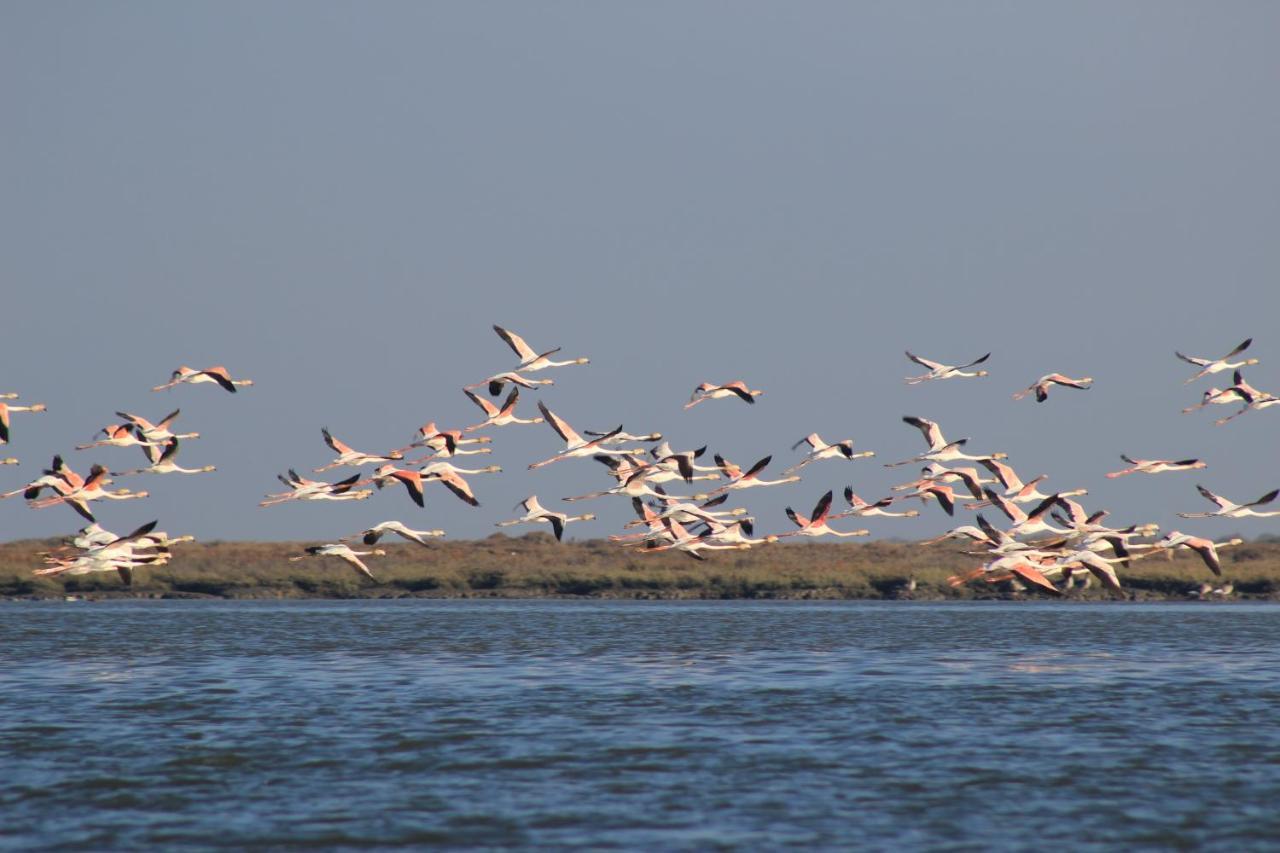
x=120, y=556
x=713, y=391
x=933, y=473
x=1216, y=396
x=862, y=509
x=1026, y=566
x=679, y=466
x=343, y=552
x=535, y=513
x=123, y=435
x=443, y=440
x=499, y=417
x=816, y=523
x=159, y=433
x=690, y=513
x=1026, y=523
x=454, y=482
x=1156, y=466
x=736, y=532
x=680, y=539
x=930, y=489
x=1227, y=509
x=530, y=360
x=575, y=446
x=216, y=374
x=101, y=550
x=1044, y=383
x=685, y=460
x=411, y=480
x=347, y=455
x=1252, y=398
x=303, y=489
x=624, y=437
x=819, y=449
x=499, y=380
x=984, y=534
x=6, y=410
x=58, y=477
x=166, y=464
x=1206, y=548
x=1217, y=365
x=748, y=480
x=940, y=450
x=1015, y=490
x=634, y=486
x=92, y=488
x=371, y=535
x=440, y=469
x=938, y=370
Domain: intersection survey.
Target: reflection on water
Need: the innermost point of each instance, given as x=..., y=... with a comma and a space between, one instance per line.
x=639, y=724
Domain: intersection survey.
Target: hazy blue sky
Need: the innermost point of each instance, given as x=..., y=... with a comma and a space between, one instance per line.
x=339, y=199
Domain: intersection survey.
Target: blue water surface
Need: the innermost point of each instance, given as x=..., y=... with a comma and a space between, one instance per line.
x=639, y=725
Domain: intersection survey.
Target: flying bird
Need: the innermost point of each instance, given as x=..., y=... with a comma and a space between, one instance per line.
x=530, y=359
x=6, y=410
x=343, y=552
x=1227, y=509
x=190, y=376
x=938, y=370
x=1156, y=466
x=712, y=391
x=371, y=535
x=1216, y=365
x=1044, y=383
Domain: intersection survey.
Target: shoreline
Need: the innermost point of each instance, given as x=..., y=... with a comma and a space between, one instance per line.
x=536, y=566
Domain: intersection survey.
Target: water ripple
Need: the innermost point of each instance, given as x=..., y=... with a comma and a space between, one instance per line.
x=639, y=725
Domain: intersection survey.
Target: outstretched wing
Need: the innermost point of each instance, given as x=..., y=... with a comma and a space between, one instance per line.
x=489, y=409
x=1222, y=502
x=1198, y=362
x=931, y=431
x=516, y=343
x=1239, y=349
x=924, y=362
x=559, y=425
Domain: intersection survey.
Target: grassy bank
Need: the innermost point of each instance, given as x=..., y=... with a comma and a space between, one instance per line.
x=536, y=566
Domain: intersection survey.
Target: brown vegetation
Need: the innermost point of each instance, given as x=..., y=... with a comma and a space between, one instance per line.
x=536, y=566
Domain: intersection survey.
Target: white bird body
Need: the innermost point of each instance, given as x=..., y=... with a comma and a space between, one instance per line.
x=819, y=449
x=344, y=552
x=1209, y=366
x=1227, y=509
x=938, y=370
x=371, y=535
x=714, y=391
x=531, y=360
x=217, y=374
x=1156, y=466
x=536, y=513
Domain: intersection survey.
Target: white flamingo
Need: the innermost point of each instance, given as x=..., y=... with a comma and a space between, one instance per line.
x=532, y=361
x=938, y=370
x=1210, y=366
x=343, y=552
x=190, y=376
x=536, y=513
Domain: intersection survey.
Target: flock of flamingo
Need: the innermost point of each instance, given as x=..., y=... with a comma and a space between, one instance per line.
x=1047, y=542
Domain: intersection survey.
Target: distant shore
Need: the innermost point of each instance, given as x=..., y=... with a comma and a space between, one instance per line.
x=536, y=566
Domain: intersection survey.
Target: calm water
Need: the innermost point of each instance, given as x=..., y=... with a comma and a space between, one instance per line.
x=639, y=725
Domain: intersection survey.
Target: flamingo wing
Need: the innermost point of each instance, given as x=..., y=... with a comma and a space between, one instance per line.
x=516, y=343
x=924, y=362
